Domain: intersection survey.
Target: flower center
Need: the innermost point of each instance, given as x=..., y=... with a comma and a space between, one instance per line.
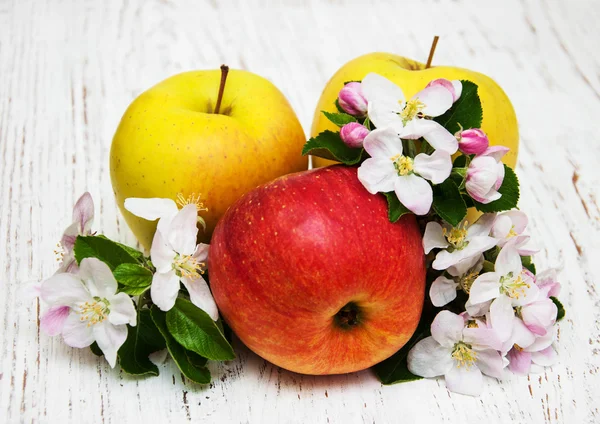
x=412, y=109
x=192, y=199
x=466, y=281
x=464, y=354
x=59, y=252
x=512, y=233
x=403, y=164
x=457, y=235
x=187, y=266
x=513, y=287
x=472, y=324
x=95, y=311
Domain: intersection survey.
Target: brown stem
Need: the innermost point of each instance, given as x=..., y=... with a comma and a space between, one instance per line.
x=224, y=72
x=432, y=51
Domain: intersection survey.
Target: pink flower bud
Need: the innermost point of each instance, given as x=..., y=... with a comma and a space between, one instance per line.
x=353, y=134
x=454, y=87
x=473, y=141
x=352, y=99
x=486, y=174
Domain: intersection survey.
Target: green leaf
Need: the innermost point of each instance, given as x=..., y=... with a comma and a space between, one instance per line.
x=96, y=349
x=466, y=112
x=338, y=107
x=102, y=248
x=133, y=252
x=448, y=202
x=339, y=119
x=196, y=331
x=142, y=340
x=527, y=262
x=561, y=309
x=134, y=278
x=190, y=364
x=395, y=208
x=329, y=145
x=395, y=369
x=509, y=191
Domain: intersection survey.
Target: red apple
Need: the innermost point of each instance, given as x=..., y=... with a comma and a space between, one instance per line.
x=311, y=275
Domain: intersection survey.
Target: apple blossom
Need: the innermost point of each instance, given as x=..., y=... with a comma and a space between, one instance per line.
x=523, y=361
x=457, y=353
x=85, y=307
x=472, y=141
x=177, y=259
x=352, y=99
x=486, y=174
x=443, y=289
x=389, y=170
x=83, y=217
x=462, y=245
x=454, y=87
x=353, y=134
x=513, y=224
x=387, y=107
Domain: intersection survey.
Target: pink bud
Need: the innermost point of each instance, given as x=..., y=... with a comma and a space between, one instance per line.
x=353, y=134
x=484, y=177
x=352, y=99
x=454, y=87
x=473, y=141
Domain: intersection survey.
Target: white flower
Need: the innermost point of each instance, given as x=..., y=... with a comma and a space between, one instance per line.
x=513, y=224
x=83, y=217
x=510, y=285
x=387, y=107
x=463, y=244
x=177, y=259
x=389, y=170
x=85, y=307
x=486, y=174
x=458, y=353
x=443, y=289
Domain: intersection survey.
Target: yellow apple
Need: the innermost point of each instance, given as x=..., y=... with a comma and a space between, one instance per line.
x=170, y=141
x=499, y=119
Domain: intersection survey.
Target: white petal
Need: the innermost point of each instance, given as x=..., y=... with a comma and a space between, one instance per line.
x=542, y=342
x=383, y=144
x=377, y=175
x=457, y=89
x=201, y=253
x=151, y=208
x=447, y=328
x=502, y=227
x=489, y=361
x=482, y=338
x=436, y=135
x=520, y=336
x=83, y=212
x=109, y=338
x=545, y=357
x=53, y=321
x=64, y=290
x=164, y=289
x=434, y=237
x=77, y=333
x=465, y=265
x=484, y=288
x=519, y=220
x=378, y=88
x=508, y=261
x=122, y=310
x=442, y=291
x=482, y=226
x=428, y=359
x=161, y=253
x=520, y=362
x=415, y=193
x=201, y=296
x=435, y=167
x=502, y=317
x=436, y=98
x=69, y=236
x=184, y=230
x=385, y=115
x=478, y=309
x=464, y=380
x=98, y=277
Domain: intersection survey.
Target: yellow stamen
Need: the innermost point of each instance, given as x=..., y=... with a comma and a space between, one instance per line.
x=512, y=233
x=94, y=312
x=456, y=235
x=189, y=267
x=466, y=281
x=192, y=199
x=59, y=252
x=403, y=164
x=472, y=324
x=464, y=354
x=513, y=287
x=411, y=110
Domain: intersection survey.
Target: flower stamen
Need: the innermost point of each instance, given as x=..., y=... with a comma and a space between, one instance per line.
x=464, y=355
x=192, y=199
x=60, y=252
x=188, y=267
x=513, y=287
x=412, y=109
x=403, y=164
x=456, y=235
x=94, y=312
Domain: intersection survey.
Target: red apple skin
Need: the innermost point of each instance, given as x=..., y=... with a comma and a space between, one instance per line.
x=287, y=256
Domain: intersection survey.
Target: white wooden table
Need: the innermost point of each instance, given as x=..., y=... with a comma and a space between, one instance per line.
x=68, y=70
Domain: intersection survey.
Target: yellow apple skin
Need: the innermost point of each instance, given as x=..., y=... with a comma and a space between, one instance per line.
x=499, y=119
x=170, y=142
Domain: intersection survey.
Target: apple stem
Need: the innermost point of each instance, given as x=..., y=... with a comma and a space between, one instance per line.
x=224, y=72
x=432, y=51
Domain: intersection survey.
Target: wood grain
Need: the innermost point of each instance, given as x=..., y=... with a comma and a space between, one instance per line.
x=68, y=70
